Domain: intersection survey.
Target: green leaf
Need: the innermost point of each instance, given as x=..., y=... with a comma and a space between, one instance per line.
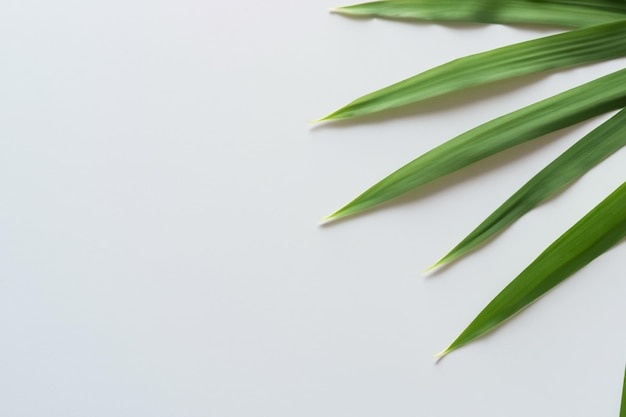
x=571, y=165
x=612, y=5
x=576, y=15
x=602, y=228
x=565, y=109
x=596, y=43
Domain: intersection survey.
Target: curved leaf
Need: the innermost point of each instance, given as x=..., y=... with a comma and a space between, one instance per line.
x=574, y=15
x=565, y=109
x=571, y=165
x=602, y=228
x=596, y=43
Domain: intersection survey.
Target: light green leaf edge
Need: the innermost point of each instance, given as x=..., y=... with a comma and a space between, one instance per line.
x=598, y=231
x=488, y=11
x=565, y=109
x=577, y=47
x=571, y=165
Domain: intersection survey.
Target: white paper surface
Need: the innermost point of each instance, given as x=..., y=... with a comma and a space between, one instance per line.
x=159, y=248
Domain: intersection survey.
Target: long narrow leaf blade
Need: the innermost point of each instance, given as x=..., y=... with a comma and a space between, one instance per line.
x=571, y=165
x=570, y=107
x=488, y=11
x=602, y=228
x=596, y=43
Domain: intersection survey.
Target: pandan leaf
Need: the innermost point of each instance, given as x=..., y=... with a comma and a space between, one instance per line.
x=571, y=165
x=598, y=231
x=577, y=47
x=565, y=109
x=612, y=5
x=557, y=13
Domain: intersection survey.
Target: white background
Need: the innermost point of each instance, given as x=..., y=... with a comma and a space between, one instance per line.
x=159, y=248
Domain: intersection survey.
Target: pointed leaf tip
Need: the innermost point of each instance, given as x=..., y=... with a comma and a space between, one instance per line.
x=595, y=43
x=598, y=231
x=557, y=112
x=442, y=354
x=435, y=266
x=331, y=217
x=326, y=118
x=324, y=220
x=429, y=270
